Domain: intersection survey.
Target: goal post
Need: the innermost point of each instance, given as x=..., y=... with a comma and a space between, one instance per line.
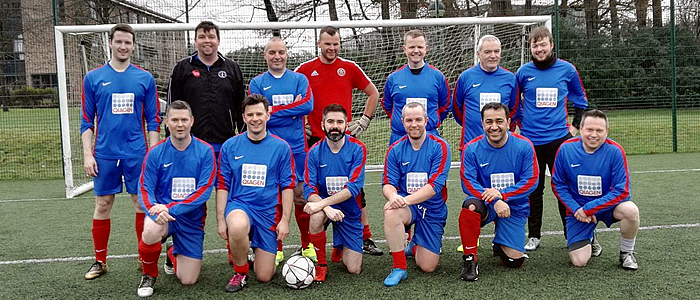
x=375, y=45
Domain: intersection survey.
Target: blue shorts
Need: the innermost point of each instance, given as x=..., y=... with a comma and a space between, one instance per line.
x=110, y=172
x=577, y=231
x=300, y=164
x=263, y=230
x=188, y=240
x=509, y=232
x=428, y=229
x=347, y=234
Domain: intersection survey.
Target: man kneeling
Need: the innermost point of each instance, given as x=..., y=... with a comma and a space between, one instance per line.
x=335, y=173
x=415, y=172
x=175, y=184
x=499, y=171
x=591, y=179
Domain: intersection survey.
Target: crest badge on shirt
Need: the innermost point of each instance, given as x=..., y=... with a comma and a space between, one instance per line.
x=195, y=73
x=341, y=72
x=222, y=74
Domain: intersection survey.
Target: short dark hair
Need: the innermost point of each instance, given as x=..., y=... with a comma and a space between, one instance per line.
x=178, y=104
x=595, y=113
x=495, y=106
x=330, y=30
x=206, y=26
x=415, y=33
x=254, y=99
x=540, y=33
x=123, y=27
x=334, y=107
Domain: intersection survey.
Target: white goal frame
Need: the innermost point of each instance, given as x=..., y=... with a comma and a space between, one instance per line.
x=59, y=31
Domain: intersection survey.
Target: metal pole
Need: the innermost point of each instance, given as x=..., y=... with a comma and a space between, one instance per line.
x=674, y=98
x=316, y=37
x=187, y=20
x=556, y=25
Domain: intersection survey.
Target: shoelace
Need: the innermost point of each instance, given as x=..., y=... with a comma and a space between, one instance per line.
x=236, y=279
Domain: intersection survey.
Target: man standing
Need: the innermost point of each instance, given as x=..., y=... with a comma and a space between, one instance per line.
x=415, y=173
x=332, y=80
x=291, y=102
x=482, y=84
x=499, y=171
x=117, y=97
x=256, y=170
x=212, y=85
x=419, y=82
x=591, y=179
x=547, y=84
x=175, y=185
x=335, y=173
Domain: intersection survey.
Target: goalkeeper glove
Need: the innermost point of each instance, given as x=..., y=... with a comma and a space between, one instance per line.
x=357, y=127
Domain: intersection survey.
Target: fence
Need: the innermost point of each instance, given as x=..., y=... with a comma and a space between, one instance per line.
x=634, y=64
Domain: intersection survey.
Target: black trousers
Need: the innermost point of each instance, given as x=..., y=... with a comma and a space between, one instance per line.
x=545, y=157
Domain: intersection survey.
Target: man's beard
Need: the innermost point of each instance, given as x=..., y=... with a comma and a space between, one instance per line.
x=334, y=135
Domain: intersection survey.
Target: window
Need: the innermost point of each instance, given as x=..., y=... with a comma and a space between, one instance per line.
x=18, y=47
x=44, y=80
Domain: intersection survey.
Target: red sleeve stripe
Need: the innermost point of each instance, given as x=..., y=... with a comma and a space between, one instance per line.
x=466, y=181
x=535, y=171
x=443, y=159
x=222, y=181
x=303, y=101
x=307, y=180
x=554, y=189
x=144, y=193
x=358, y=169
x=158, y=119
x=198, y=193
x=293, y=169
x=585, y=97
x=625, y=193
x=458, y=113
x=85, y=115
x=385, y=179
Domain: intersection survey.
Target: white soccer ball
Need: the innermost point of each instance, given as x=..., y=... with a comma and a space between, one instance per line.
x=298, y=272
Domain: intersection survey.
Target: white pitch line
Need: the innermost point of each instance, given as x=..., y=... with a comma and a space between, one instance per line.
x=449, y=238
x=367, y=184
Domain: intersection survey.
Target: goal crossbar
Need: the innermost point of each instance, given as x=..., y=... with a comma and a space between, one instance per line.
x=60, y=33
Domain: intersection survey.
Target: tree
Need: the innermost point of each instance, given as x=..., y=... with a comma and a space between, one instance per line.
x=657, y=18
x=641, y=7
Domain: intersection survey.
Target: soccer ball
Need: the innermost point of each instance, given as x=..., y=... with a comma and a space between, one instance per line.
x=298, y=272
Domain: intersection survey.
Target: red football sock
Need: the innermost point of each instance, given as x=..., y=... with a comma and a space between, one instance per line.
x=303, y=223
x=469, y=230
x=100, y=238
x=241, y=269
x=409, y=235
x=150, y=255
x=173, y=259
x=336, y=255
x=319, y=240
x=279, y=245
x=366, y=233
x=399, y=260
x=138, y=224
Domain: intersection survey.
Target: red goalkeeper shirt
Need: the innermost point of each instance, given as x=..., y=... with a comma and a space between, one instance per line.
x=332, y=83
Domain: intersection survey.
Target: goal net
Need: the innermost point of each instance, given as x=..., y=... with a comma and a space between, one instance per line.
x=375, y=45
